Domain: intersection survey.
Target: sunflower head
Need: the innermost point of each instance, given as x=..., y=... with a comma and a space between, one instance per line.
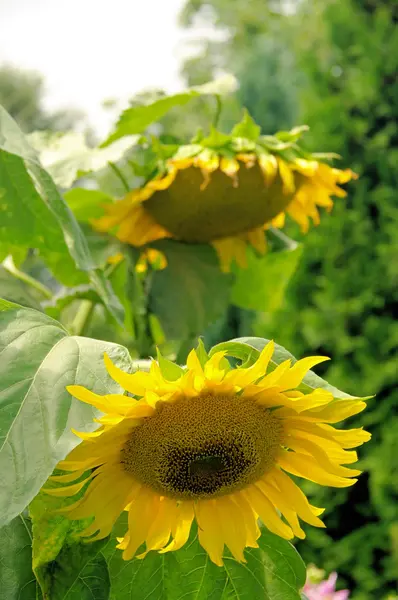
x=225, y=190
x=212, y=444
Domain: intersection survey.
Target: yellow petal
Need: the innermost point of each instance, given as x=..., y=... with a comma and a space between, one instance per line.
x=135, y=383
x=269, y=166
x=267, y=512
x=287, y=177
x=295, y=375
x=305, y=466
x=183, y=520
x=142, y=512
x=242, y=377
x=298, y=499
x=210, y=537
x=250, y=519
x=334, y=412
x=280, y=503
x=232, y=526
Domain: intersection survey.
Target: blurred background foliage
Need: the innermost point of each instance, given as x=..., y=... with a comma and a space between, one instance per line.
x=331, y=64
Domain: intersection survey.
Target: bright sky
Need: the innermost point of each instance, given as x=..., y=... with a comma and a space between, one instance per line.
x=92, y=50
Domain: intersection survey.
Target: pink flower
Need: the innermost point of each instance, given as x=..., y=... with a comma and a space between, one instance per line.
x=325, y=590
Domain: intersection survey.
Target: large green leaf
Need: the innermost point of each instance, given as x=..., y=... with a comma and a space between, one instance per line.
x=38, y=359
x=191, y=292
x=247, y=349
x=67, y=157
x=17, y=581
x=136, y=119
x=261, y=286
x=33, y=213
x=79, y=572
x=272, y=572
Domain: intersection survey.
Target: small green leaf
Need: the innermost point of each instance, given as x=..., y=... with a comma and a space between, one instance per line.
x=191, y=292
x=67, y=157
x=170, y=370
x=87, y=204
x=136, y=119
x=262, y=285
x=249, y=348
x=293, y=135
x=17, y=581
x=216, y=139
x=247, y=128
x=39, y=359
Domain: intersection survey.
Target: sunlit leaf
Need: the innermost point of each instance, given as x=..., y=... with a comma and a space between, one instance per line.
x=247, y=128
x=262, y=285
x=39, y=359
x=67, y=157
x=136, y=119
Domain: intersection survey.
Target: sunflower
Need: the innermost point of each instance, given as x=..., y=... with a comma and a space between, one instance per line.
x=208, y=443
x=225, y=191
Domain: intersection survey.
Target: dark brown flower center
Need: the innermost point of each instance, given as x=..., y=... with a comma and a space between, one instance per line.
x=203, y=447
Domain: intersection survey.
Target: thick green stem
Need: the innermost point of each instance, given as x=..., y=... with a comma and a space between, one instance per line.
x=82, y=318
x=9, y=265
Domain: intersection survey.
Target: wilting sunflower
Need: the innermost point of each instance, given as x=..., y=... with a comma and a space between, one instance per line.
x=225, y=191
x=214, y=444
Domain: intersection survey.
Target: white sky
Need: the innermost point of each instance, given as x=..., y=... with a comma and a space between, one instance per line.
x=92, y=50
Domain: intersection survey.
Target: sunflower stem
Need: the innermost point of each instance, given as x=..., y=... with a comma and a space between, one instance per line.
x=119, y=175
x=9, y=265
x=287, y=241
x=82, y=318
x=218, y=111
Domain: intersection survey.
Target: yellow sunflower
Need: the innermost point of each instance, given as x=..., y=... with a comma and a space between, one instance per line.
x=226, y=196
x=213, y=444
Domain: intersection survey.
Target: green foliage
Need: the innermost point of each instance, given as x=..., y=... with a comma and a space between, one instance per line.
x=34, y=214
x=17, y=291
x=262, y=285
x=136, y=119
x=78, y=573
x=274, y=570
x=191, y=292
x=340, y=302
x=39, y=359
x=67, y=156
x=17, y=581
